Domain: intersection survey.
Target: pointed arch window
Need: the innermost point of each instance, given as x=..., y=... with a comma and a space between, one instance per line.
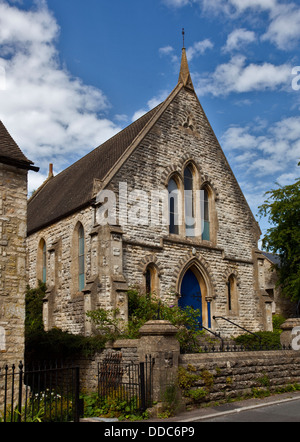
x=205, y=210
x=173, y=207
x=42, y=261
x=232, y=301
x=189, y=202
x=151, y=279
x=81, y=258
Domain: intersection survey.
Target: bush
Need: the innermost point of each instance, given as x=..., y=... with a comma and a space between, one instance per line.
x=54, y=344
x=267, y=340
x=143, y=308
x=112, y=406
x=278, y=320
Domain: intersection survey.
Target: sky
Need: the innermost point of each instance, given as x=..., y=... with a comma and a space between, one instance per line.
x=73, y=73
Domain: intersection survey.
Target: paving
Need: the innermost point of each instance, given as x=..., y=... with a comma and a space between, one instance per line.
x=230, y=408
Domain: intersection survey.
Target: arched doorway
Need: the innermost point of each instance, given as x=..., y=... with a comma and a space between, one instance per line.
x=193, y=293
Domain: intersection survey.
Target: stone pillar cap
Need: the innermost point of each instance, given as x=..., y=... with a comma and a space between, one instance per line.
x=290, y=324
x=158, y=327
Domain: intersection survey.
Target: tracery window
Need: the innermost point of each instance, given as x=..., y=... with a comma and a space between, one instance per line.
x=191, y=215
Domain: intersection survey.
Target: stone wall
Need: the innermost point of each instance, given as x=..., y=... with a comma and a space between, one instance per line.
x=202, y=377
x=223, y=376
x=13, y=212
x=64, y=306
x=89, y=366
x=281, y=305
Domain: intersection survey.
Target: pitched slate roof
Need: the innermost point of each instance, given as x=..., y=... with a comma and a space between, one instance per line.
x=73, y=188
x=274, y=259
x=10, y=153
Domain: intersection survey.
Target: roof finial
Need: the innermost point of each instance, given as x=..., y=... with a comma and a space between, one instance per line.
x=183, y=35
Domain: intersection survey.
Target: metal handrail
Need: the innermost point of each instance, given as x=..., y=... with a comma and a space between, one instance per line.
x=218, y=335
x=233, y=323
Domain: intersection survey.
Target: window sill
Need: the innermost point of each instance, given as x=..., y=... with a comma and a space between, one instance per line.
x=176, y=239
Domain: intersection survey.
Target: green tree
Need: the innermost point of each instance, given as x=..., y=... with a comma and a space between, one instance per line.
x=283, y=237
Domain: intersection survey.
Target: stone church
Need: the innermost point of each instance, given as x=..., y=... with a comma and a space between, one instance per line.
x=156, y=207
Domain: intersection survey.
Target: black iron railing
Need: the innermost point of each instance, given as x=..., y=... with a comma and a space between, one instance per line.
x=217, y=335
x=41, y=394
x=238, y=348
x=126, y=382
x=236, y=325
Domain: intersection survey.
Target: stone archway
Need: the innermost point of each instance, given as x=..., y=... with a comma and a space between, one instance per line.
x=194, y=290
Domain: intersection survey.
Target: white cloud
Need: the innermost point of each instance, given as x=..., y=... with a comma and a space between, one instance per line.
x=229, y=7
x=236, y=76
x=151, y=104
x=239, y=38
x=274, y=152
x=177, y=3
x=284, y=29
x=49, y=113
x=242, y=5
x=166, y=50
x=239, y=138
x=169, y=51
x=199, y=48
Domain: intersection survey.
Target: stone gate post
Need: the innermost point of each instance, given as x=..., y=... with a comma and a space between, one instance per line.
x=158, y=339
x=291, y=328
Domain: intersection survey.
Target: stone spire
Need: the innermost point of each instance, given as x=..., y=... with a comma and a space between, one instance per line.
x=184, y=75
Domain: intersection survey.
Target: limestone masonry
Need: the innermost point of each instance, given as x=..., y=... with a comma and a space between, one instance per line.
x=213, y=264
x=14, y=167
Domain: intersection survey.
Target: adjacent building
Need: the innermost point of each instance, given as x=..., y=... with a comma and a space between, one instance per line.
x=14, y=167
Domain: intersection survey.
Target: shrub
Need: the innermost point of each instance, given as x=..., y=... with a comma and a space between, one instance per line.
x=142, y=308
x=278, y=320
x=54, y=344
x=267, y=340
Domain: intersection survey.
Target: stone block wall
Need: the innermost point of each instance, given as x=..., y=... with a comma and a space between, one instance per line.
x=64, y=305
x=13, y=212
x=201, y=377
x=222, y=376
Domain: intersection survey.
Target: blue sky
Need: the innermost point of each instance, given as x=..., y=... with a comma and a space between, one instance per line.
x=74, y=72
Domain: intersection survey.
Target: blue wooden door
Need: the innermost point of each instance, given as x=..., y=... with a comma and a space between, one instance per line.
x=191, y=293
